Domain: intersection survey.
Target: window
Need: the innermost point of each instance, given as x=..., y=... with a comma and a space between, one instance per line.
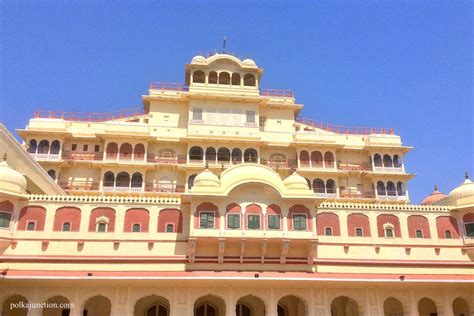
x=233, y=221
x=419, y=234
x=5, y=219
x=66, y=227
x=74, y=147
x=299, y=222
x=328, y=231
x=85, y=148
x=31, y=226
x=469, y=229
x=358, y=232
x=253, y=222
x=197, y=114
x=169, y=228
x=389, y=232
x=273, y=221
x=206, y=220
x=250, y=117
x=96, y=148
x=262, y=120
x=101, y=227
x=136, y=228
x=447, y=234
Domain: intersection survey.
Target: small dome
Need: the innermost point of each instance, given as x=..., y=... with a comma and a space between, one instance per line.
x=198, y=59
x=463, y=192
x=248, y=62
x=207, y=179
x=11, y=181
x=296, y=182
x=434, y=197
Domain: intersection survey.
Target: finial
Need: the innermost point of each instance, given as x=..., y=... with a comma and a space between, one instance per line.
x=225, y=42
x=5, y=157
x=466, y=175
x=292, y=170
x=207, y=165
x=436, y=187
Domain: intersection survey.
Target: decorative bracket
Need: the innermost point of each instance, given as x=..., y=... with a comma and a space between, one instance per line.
x=221, y=248
x=192, y=249
x=285, y=245
x=263, y=250
x=313, y=244
x=242, y=250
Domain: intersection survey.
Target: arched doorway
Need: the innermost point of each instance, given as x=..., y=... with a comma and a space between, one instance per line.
x=344, y=306
x=209, y=305
x=152, y=305
x=460, y=307
x=13, y=306
x=291, y=305
x=426, y=307
x=54, y=311
x=392, y=307
x=250, y=306
x=97, y=306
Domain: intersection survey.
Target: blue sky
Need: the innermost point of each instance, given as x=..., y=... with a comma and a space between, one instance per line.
x=406, y=65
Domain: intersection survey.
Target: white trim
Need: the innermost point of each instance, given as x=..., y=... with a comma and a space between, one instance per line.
x=35, y=222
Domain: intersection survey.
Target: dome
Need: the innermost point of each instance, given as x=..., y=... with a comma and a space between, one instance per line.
x=248, y=62
x=198, y=59
x=296, y=182
x=434, y=197
x=11, y=181
x=207, y=179
x=463, y=193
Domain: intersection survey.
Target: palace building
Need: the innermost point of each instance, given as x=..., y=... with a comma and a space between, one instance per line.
x=218, y=199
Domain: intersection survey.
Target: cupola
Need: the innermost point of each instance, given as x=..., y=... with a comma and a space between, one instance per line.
x=295, y=182
x=11, y=181
x=464, y=194
x=206, y=179
x=434, y=197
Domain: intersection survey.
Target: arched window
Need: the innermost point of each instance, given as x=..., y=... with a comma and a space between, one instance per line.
x=377, y=160
x=31, y=226
x=316, y=159
x=242, y=310
x=330, y=186
x=304, y=158
x=224, y=78
x=139, y=151
x=43, y=147
x=447, y=234
x=397, y=163
x=419, y=234
x=66, y=227
x=211, y=154
x=112, y=150
x=223, y=154
x=391, y=191
x=52, y=174
x=277, y=158
x=55, y=146
x=136, y=228
x=195, y=153
x=137, y=180
x=387, y=161
x=329, y=159
x=33, y=145
x=401, y=188
x=249, y=80
x=109, y=179
x=5, y=219
x=319, y=186
x=126, y=151
x=101, y=226
x=388, y=232
x=169, y=228
x=205, y=310
x=123, y=180
x=250, y=155
x=212, y=77
x=191, y=180
x=328, y=231
x=199, y=76
x=236, y=155
x=381, y=188
x=358, y=232
x=236, y=79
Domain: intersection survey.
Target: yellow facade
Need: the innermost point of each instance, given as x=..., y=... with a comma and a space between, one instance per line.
x=217, y=199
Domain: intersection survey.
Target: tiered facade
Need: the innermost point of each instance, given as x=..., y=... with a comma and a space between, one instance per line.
x=217, y=199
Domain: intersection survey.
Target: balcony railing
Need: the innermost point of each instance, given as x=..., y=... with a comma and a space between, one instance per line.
x=155, y=158
x=90, y=116
x=168, y=86
x=45, y=156
x=343, y=129
x=389, y=169
x=289, y=163
x=163, y=188
x=350, y=194
x=82, y=155
x=364, y=166
x=281, y=93
x=80, y=185
x=392, y=195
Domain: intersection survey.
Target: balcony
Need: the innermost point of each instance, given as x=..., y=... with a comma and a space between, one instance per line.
x=306, y=164
x=168, y=160
x=392, y=196
x=80, y=185
x=90, y=116
x=356, y=195
x=344, y=129
x=346, y=166
x=392, y=169
x=125, y=157
x=82, y=156
x=325, y=193
x=163, y=188
x=45, y=156
x=282, y=164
